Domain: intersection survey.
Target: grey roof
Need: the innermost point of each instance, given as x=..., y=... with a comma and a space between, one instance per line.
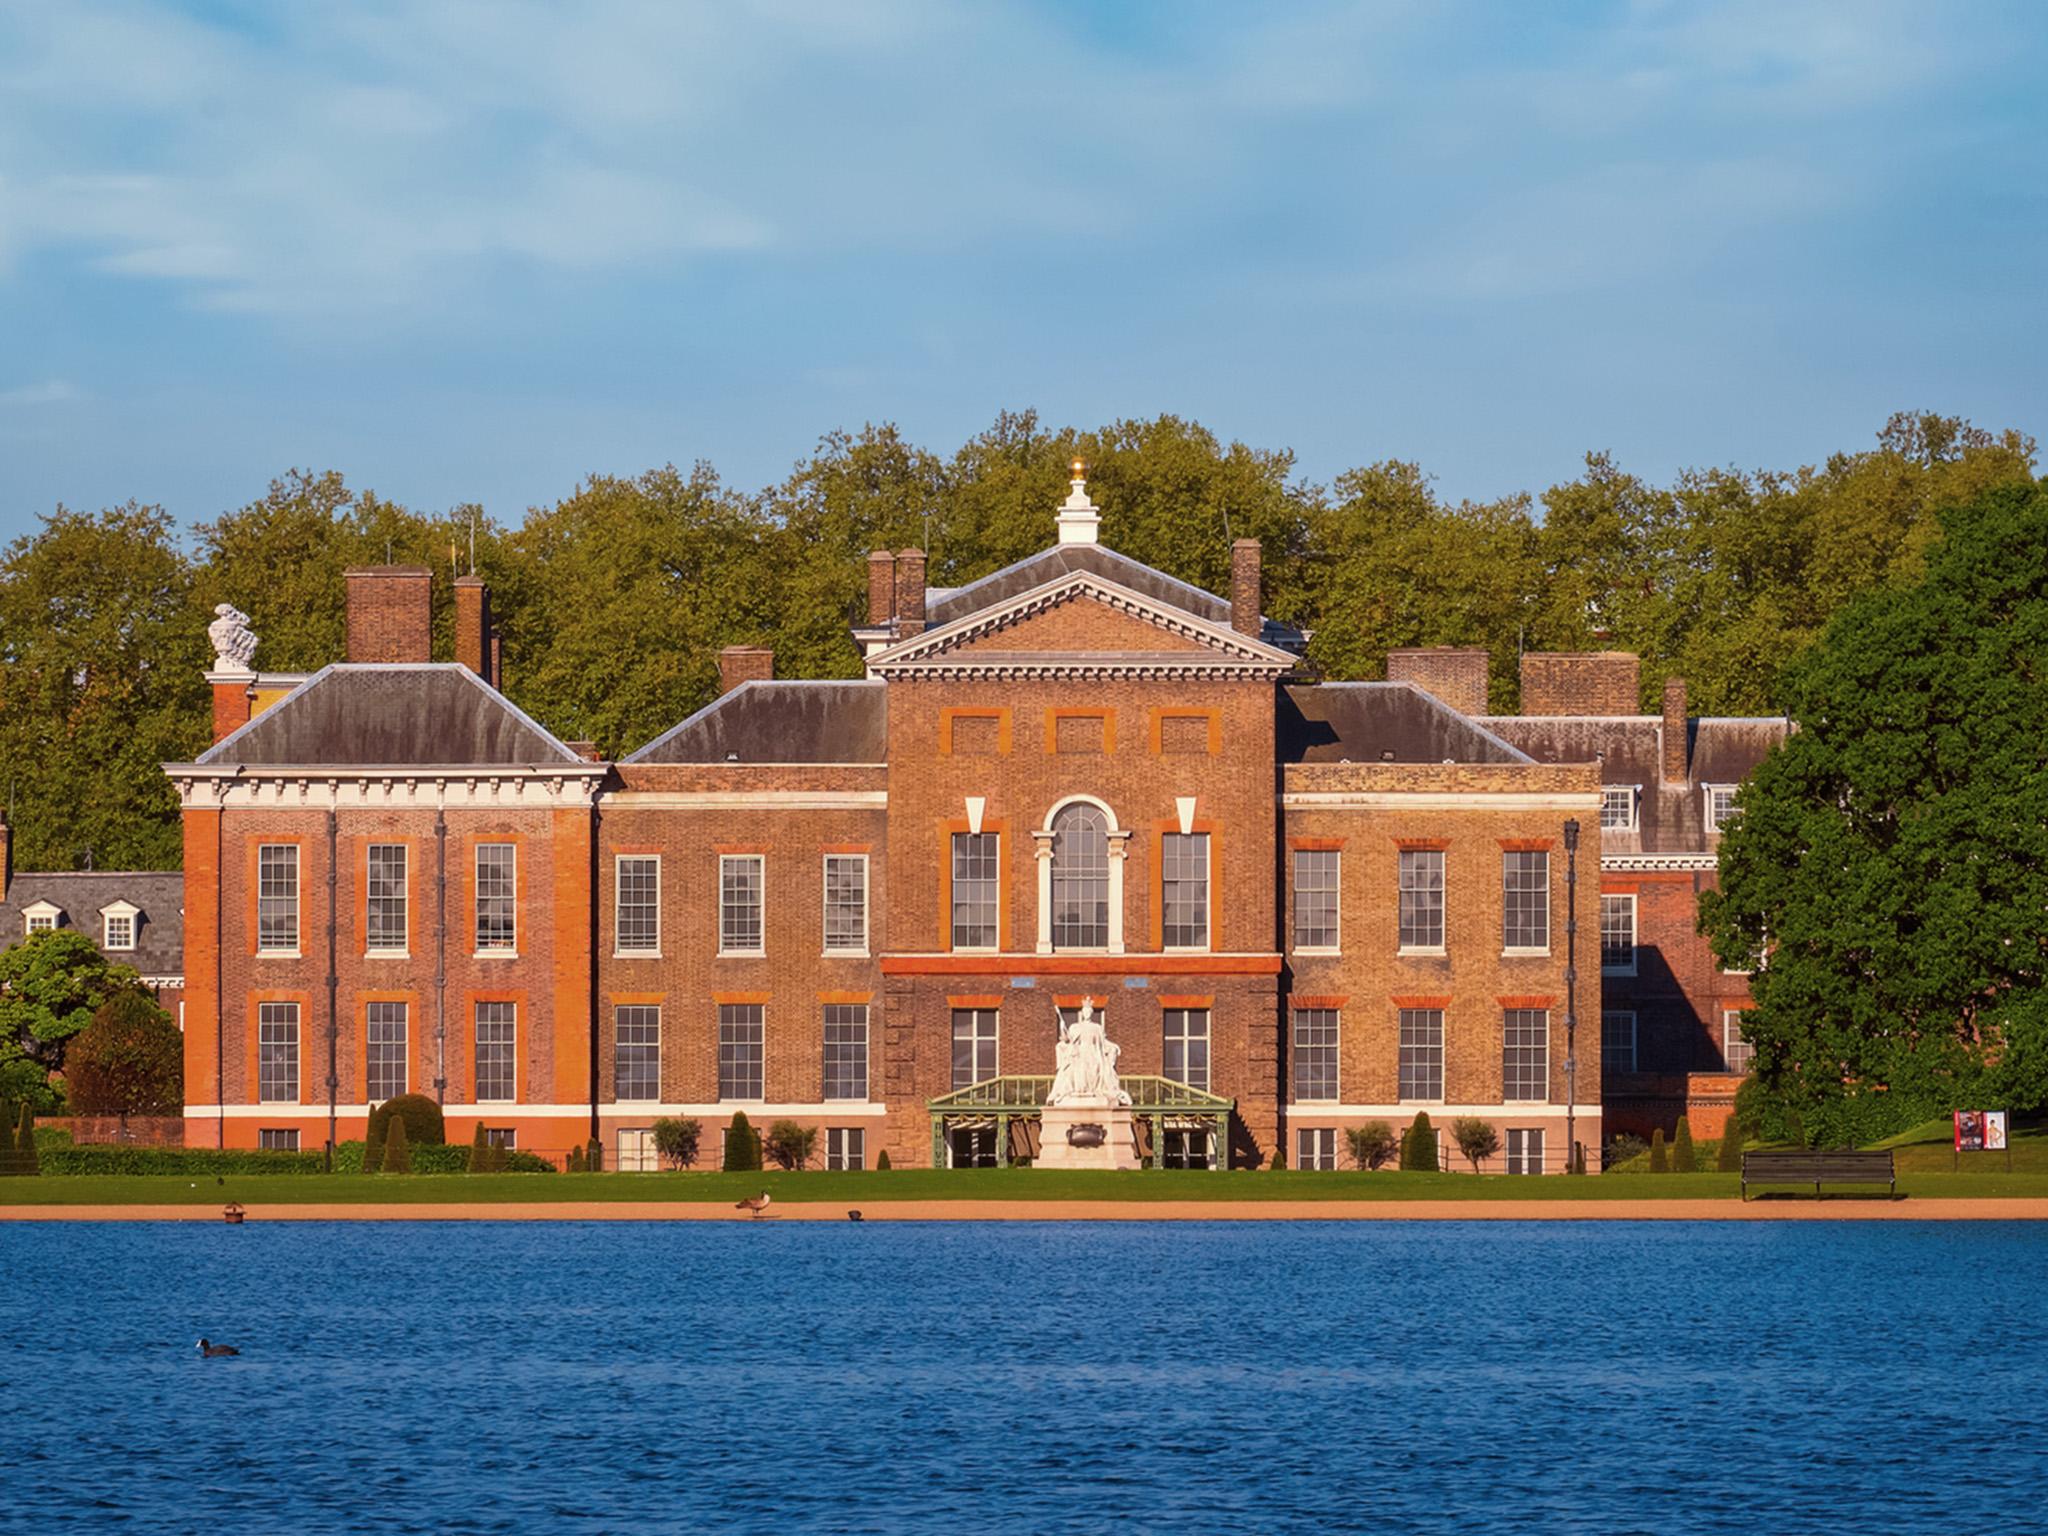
x=781, y=722
x=1670, y=818
x=1366, y=722
x=80, y=894
x=945, y=604
x=398, y=715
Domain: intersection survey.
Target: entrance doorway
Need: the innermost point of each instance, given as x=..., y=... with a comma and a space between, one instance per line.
x=1185, y=1149
x=636, y=1152
x=972, y=1146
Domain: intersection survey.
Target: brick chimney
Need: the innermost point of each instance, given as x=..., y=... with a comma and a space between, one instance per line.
x=1581, y=683
x=1455, y=675
x=909, y=593
x=881, y=587
x=233, y=699
x=6, y=855
x=1245, y=600
x=473, y=627
x=390, y=613
x=497, y=659
x=1675, y=754
x=744, y=664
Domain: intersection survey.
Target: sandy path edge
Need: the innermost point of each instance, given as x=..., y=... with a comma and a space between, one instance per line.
x=1932, y=1209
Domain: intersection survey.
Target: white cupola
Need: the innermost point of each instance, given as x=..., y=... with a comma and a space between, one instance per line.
x=1078, y=518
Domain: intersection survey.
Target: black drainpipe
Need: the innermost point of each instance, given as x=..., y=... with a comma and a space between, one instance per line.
x=220, y=1000
x=440, y=946
x=333, y=986
x=596, y=895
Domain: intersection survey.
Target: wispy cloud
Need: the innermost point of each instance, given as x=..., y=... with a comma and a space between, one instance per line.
x=49, y=392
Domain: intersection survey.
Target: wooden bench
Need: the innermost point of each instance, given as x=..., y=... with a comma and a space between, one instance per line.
x=1816, y=1167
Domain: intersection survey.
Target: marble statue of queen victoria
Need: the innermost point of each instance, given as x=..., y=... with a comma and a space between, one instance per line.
x=1087, y=1063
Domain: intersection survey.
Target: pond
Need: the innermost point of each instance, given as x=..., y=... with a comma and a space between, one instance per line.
x=1601, y=1376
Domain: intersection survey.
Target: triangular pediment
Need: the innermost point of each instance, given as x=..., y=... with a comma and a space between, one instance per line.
x=1081, y=624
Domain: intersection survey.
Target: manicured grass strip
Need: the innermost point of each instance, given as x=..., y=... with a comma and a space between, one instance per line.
x=926, y=1184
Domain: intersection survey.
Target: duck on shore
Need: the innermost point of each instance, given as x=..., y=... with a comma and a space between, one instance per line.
x=753, y=1205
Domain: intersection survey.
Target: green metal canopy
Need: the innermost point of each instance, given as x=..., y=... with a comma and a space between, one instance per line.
x=996, y=1101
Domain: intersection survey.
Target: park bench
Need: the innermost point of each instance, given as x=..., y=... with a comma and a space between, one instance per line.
x=1816, y=1167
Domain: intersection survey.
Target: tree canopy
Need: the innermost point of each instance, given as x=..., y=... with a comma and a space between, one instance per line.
x=615, y=600
x=51, y=985
x=130, y=1060
x=1892, y=856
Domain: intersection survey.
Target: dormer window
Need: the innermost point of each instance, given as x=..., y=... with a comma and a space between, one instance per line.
x=40, y=917
x=1618, y=807
x=117, y=926
x=1721, y=808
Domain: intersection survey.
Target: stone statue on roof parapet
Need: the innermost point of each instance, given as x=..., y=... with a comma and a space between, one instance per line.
x=234, y=642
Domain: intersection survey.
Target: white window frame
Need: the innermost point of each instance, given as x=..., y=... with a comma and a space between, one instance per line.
x=1618, y=968
x=636, y=1151
x=760, y=863
x=289, y=1016
x=1187, y=1037
x=620, y=949
x=1630, y=797
x=1442, y=891
x=1714, y=821
x=1549, y=917
x=1402, y=1045
x=617, y=1044
x=1634, y=1040
x=858, y=951
x=1731, y=1034
x=1315, y=1148
x=277, y=1138
x=119, y=912
x=1336, y=891
x=846, y=1148
x=995, y=882
x=507, y=949
x=1544, y=1096
x=400, y=950
x=1528, y=1157
x=475, y=1050
x=994, y=1036
x=1295, y=1017
x=1166, y=884
x=827, y=1024
x=404, y=1048
x=40, y=917
x=736, y=1022
x=282, y=951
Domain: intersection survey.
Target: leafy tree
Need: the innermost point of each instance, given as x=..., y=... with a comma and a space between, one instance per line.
x=1418, y=1149
x=1892, y=855
x=742, y=1146
x=1659, y=1160
x=791, y=1144
x=1477, y=1139
x=1683, y=1158
x=675, y=1140
x=51, y=985
x=1371, y=1143
x=397, y=1152
x=130, y=1060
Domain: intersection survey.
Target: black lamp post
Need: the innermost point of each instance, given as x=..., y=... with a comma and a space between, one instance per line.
x=1571, y=995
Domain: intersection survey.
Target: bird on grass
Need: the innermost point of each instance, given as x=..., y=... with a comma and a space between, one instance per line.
x=209, y=1350
x=753, y=1205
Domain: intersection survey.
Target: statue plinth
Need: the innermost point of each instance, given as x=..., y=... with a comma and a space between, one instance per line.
x=1080, y=1134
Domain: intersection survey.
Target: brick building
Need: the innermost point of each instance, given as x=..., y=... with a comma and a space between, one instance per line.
x=134, y=917
x=862, y=905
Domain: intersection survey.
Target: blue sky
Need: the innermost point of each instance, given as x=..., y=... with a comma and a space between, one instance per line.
x=478, y=251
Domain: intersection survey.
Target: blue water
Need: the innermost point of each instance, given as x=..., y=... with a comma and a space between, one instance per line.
x=1601, y=1377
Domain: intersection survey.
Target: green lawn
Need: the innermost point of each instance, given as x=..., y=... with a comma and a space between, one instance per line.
x=923, y=1184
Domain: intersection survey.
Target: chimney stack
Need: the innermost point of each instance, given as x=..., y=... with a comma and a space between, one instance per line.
x=1675, y=754
x=744, y=664
x=497, y=659
x=1245, y=601
x=6, y=855
x=909, y=593
x=1581, y=683
x=473, y=626
x=391, y=613
x=881, y=587
x=1455, y=675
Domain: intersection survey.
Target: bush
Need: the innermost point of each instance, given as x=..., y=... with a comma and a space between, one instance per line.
x=1278, y=1162
x=1623, y=1147
x=675, y=1141
x=1728, y=1158
x=479, y=1151
x=27, y=1162
x=1795, y=1132
x=574, y=1162
x=742, y=1146
x=882, y=1162
x=1371, y=1143
x=1477, y=1139
x=130, y=1060
x=180, y=1162
x=593, y=1156
x=1418, y=1147
x=10, y=1154
x=1683, y=1159
x=424, y=1124
x=397, y=1151
x=790, y=1144
x=1659, y=1163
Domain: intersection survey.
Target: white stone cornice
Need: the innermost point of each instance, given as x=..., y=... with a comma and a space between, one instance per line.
x=207, y=787
x=1651, y=863
x=1439, y=800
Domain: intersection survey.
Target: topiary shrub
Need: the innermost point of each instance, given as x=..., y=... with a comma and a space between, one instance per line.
x=1659, y=1162
x=742, y=1146
x=10, y=1158
x=574, y=1162
x=790, y=1144
x=675, y=1141
x=882, y=1162
x=425, y=1126
x=1683, y=1159
x=593, y=1156
x=397, y=1150
x=479, y=1151
x=1477, y=1139
x=1279, y=1161
x=1371, y=1143
x=27, y=1162
x=1418, y=1147
x=1729, y=1158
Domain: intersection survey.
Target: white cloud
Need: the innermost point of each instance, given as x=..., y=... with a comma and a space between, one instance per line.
x=49, y=392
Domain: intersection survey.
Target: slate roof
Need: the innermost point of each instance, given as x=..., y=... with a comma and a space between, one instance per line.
x=1670, y=818
x=942, y=605
x=781, y=722
x=396, y=715
x=159, y=929
x=1365, y=722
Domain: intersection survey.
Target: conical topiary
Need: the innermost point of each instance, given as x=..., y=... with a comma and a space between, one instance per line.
x=1730, y=1158
x=1658, y=1162
x=479, y=1151
x=575, y=1161
x=10, y=1160
x=742, y=1146
x=397, y=1150
x=882, y=1162
x=593, y=1159
x=1683, y=1158
x=1418, y=1147
x=28, y=1162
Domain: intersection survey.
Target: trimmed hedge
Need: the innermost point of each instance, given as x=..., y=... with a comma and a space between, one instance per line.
x=177, y=1161
x=348, y=1158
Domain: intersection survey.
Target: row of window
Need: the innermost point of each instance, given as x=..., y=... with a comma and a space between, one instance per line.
x=845, y=1146
x=1419, y=900
x=1525, y=1056
x=1620, y=806
x=1618, y=1042
x=386, y=1064
x=1315, y=1148
x=1080, y=885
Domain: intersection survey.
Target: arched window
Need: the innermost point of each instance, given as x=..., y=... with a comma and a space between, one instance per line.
x=1080, y=878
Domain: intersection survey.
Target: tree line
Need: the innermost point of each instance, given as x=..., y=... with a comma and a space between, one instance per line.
x=616, y=599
